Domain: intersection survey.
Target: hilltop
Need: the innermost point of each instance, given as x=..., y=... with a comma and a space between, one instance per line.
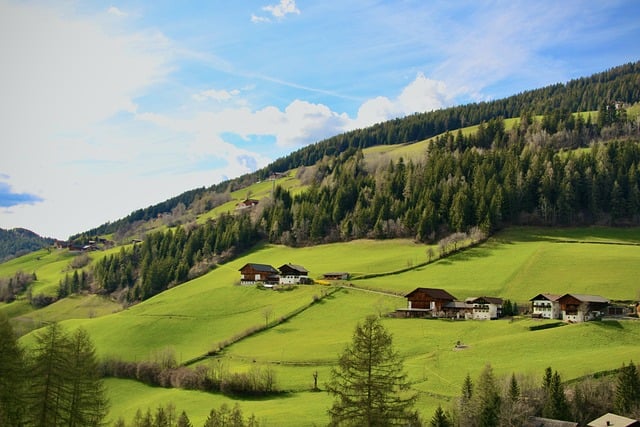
x=19, y=241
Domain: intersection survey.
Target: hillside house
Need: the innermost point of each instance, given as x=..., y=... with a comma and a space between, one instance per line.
x=336, y=276
x=246, y=204
x=291, y=274
x=614, y=421
x=546, y=306
x=582, y=308
x=485, y=308
x=252, y=273
x=423, y=302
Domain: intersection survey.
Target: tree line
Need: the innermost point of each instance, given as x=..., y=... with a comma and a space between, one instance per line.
x=56, y=384
x=586, y=172
x=490, y=401
x=618, y=84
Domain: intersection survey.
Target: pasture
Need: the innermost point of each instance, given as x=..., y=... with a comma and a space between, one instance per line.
x=193, y=318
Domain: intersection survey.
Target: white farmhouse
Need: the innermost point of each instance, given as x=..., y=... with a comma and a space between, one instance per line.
x=546, y=306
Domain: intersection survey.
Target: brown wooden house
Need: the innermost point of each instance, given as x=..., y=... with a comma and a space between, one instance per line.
x=582, y=308
x=252, y=273
x=427, y=301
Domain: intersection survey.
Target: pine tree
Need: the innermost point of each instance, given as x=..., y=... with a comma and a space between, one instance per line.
x=487, y=398
x=628, y=389
x=183, y=420
x=440, y=419
x=555, y=402
x=12, y=376
x=369, y=385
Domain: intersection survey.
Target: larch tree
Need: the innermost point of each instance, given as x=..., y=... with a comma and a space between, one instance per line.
x=369, y=385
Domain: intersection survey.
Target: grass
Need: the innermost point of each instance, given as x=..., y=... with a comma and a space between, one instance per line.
x=516, y=264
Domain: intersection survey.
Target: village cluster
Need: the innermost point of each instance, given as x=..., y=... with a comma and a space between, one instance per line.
x=438, y=303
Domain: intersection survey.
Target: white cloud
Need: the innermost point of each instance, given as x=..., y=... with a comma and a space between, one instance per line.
x=283, y=8
x=216, y=95
x=278, y=11
x=422, y=94
x=116, y=12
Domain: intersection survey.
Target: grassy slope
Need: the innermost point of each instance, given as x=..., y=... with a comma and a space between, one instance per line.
x=522, y=262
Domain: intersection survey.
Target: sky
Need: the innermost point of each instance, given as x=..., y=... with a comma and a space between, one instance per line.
x=108, y=107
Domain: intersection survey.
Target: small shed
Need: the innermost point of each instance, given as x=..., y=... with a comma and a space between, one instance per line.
x=246, y=204
x=252, y=273
x=336, y=276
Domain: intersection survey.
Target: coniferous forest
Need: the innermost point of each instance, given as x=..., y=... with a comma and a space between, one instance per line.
x=538, y=172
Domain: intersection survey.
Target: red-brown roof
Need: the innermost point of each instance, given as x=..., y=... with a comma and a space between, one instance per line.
x=434, y=293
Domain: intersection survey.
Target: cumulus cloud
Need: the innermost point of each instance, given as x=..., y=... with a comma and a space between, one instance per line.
x=278, y=11
x=422, y=94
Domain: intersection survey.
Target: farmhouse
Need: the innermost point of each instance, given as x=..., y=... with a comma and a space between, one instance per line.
x=246, y=204
x=258, y=273
x=582, y=308
x=424, y=301
x=291, y=274
x=485, y=308
x=546, y=306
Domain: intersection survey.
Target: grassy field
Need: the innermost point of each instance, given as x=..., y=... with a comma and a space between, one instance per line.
x=518, y=263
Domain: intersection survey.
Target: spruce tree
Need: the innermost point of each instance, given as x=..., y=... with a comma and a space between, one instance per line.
x=440, y=419
x=369, y=385
x=12, y=376
x=628, y=389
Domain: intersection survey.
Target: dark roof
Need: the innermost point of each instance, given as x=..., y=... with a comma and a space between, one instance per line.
x=260, y=267
x=433, y=293
x=297, y=268
x=549, y=297
x=457, y=305
x=489, y=300
x=587, y=298
x=548, y=422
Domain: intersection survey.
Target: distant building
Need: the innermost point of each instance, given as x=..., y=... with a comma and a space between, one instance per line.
x=423, y=302
x=246, y=204
x=582, y=308
x=252, y=273
x=485, y=308
x=291, y=274
x=613, y=420
x=546, y=306
x=336, y=276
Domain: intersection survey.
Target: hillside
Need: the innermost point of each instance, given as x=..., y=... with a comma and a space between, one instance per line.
x=19, y=241
x=548, y=200
x=195, y=318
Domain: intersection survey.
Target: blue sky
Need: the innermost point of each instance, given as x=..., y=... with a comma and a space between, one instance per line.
x=110, y=107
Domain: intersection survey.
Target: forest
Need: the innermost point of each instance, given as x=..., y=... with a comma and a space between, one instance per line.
x=618, y=84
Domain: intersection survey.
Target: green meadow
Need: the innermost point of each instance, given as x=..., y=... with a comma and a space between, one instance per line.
x=194, y=318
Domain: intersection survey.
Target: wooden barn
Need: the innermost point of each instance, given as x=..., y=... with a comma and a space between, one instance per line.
x=582, y=308
x=422, y=302
x=253, y=273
